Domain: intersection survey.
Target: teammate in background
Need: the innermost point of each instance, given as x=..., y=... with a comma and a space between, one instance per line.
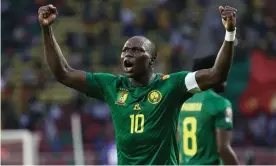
x=144, y=104
x=205, y=125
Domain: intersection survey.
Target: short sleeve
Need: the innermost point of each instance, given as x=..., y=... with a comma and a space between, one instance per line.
x=178, y=82
x=178, y=79
x=97, y=84
x=224, y=116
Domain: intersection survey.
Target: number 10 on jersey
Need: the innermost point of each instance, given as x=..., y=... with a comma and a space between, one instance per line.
x=137, y=123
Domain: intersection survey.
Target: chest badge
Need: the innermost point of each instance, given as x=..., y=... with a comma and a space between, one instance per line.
x=122, y=96
x=154, y=97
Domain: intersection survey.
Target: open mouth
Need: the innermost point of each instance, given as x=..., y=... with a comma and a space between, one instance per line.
x=128, y=64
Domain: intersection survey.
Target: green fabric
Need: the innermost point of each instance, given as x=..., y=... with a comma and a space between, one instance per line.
x=145, y=118
x=198, y=119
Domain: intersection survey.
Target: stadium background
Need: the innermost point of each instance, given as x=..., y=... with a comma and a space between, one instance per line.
x=91, y=34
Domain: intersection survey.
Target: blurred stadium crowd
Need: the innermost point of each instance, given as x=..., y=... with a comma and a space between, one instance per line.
x=91, y=34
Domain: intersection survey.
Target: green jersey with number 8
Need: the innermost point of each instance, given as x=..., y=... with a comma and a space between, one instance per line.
x=200, y=116
x=145, y=118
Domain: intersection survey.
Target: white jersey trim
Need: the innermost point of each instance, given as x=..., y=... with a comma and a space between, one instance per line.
x=191, y=84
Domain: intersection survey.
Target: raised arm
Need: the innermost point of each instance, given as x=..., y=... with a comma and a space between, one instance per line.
x=209, y=78
x=56, y=62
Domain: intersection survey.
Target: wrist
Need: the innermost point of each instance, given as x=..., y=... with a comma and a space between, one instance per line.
x=230, y=35
x=46, y=29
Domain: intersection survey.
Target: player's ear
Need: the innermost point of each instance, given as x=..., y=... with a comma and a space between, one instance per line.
x=152, y=61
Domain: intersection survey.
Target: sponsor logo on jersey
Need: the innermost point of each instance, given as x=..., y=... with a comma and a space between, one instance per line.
x=137, y=107
x=164, y=77
x=228, y=115
x=191, y=107
x=154, y=97
x=122, y=96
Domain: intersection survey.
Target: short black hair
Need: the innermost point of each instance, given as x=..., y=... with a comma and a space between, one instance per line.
x=204, y=63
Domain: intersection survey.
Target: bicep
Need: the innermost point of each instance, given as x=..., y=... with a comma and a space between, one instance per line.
x=206, y=79
x=91, y=84
x=200, y=80
x=75, y=79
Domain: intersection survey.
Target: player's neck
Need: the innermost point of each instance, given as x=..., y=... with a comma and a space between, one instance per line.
x=218, y=90
x=142, y=80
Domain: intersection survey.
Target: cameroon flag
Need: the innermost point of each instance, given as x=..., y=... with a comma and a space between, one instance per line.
x=260, y=94
x=121, y=97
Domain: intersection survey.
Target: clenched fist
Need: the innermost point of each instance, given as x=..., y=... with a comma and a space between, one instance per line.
x=47, y=15
x=228, y=17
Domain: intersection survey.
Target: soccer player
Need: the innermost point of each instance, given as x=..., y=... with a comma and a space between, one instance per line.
x=205, y=125
x=144, y=104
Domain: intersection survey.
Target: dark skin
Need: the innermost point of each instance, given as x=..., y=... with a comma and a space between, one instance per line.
x=139, y=49
x=220, y=88
x=224, y=148
x=215, y=76
x=137, y=59
x=140, y=54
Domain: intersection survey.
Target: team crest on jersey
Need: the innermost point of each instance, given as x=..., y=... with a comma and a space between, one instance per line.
x=228, y=115
x=164, y=77
x=154, y=96
x=122, y=96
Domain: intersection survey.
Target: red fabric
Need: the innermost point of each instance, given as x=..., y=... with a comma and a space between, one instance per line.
x=261, y=90
x=4, y=153
x=263, y=68
x=92, y=131
x=67, y=148
x=256, y=98
x=249, y=103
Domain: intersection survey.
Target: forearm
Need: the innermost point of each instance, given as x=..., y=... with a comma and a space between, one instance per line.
x=54, y=57
x=228, y=156
x=223, y=61
x=209, y=78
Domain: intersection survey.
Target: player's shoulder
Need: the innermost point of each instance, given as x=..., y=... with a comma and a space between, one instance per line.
x=106, y=77
x=173, y=76
x=215, y=97
x=98, y=74
x=220, y=103
x=179, y=74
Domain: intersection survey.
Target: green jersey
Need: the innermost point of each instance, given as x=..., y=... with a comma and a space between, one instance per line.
x=145, y=118
x=198, y=119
